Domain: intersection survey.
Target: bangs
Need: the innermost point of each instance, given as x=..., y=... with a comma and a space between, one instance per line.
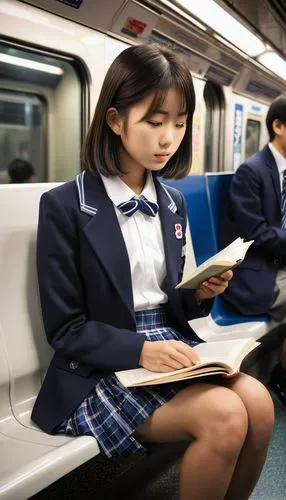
x=183, y=84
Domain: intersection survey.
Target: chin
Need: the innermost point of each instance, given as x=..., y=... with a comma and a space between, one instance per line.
x=157, y=168
x=156, y=171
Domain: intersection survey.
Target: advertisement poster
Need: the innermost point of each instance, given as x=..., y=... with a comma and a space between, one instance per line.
x=133, y=27
x=237, y=135
x=197, y=158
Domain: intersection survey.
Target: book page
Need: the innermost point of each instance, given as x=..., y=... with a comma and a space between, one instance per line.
x=229, y=256
x=226, y=351
x=235, y=251
x=213, y=269
x=214, y=356
x=204, y=372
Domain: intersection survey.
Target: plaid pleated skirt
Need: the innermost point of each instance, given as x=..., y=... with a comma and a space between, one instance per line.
x=111, y=413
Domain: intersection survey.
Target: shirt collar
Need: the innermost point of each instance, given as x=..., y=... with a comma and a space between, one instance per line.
x=119, y=192
x=279, y=158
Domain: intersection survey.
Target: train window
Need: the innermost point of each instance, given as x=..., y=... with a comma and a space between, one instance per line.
x=252, y=137
x=43, y=116
x=214, y=125
x=22, y=118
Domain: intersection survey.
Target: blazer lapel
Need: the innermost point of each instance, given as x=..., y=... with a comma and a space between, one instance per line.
x=271, y=163
x=104, y=235
x=170, y=222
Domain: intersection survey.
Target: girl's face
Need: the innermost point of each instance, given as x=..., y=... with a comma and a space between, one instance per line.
x=150, y=143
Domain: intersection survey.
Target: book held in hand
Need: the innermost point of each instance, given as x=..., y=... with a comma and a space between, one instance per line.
x=223, y=357
x=228, y=258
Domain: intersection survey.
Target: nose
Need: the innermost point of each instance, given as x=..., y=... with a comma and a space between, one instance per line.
x=166, y=137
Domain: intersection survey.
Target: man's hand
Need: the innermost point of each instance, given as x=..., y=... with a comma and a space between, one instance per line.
x=213, y=286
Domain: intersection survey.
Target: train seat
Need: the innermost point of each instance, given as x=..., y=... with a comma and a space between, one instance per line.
x=205, y=196
x=31, y=459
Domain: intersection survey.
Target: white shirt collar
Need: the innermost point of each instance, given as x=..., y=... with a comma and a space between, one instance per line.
x=279, y=158
x=118, y=191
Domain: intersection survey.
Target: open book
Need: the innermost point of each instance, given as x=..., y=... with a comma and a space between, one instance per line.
x=228, y=258
x=223, y=357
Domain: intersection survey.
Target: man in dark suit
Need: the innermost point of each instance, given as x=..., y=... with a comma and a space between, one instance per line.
x=256, y=210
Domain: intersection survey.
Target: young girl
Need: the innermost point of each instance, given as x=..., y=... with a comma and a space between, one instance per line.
x=110, y=252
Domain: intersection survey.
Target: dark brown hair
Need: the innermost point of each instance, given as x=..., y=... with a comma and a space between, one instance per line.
x=277, y=111
x=137, y=72
x=20, y=171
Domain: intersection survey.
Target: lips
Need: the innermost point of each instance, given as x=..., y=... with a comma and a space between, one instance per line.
x=162, y=156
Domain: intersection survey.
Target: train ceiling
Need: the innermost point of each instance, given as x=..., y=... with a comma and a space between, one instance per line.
x=208, y=56
x=268, y=17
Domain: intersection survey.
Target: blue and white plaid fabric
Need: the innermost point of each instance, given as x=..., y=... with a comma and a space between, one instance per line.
x=283, y=203
x=129, y=207
x=111, y=413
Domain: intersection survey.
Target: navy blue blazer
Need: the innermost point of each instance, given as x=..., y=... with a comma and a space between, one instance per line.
x=253, y=211
x=86, y=291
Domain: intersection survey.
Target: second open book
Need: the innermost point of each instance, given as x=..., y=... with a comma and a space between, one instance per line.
x=223, y=357
x=228, y=258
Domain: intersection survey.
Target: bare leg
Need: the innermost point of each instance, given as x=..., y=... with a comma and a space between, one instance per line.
x=216, y=419
x=259, y=407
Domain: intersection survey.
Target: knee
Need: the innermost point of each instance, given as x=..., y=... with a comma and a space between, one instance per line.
x=261, y=414
x=228, y=427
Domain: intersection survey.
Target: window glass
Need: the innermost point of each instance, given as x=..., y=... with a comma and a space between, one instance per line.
x=22, y=118
x=252, y=137
x=214, y=123
x=41, y=113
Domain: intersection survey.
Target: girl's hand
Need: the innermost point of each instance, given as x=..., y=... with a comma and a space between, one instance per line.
x=167, y=355
x=213, y=286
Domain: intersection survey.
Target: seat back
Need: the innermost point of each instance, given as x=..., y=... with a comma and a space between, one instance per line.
x=5, y=407
x=26, y=349
x=206, y=197
x=217, y=187
x=200, y=222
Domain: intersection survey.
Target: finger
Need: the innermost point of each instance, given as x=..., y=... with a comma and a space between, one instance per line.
x=167, y=360
x=181, y=358
x=217, y=281
x=227, y=275
x=173, y=363
x=188, y=351
x=165, y=368
x=214, y=288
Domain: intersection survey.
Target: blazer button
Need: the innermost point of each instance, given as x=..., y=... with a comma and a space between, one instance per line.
x=73, y=365
x=276, y=262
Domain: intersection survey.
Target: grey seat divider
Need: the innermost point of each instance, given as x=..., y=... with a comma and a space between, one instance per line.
x=30, y=459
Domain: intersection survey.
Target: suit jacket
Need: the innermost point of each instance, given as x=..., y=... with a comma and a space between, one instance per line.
x=86, y=291
x=253, y=211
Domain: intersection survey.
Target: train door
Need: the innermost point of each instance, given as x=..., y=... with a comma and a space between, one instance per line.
x=214, y=128
x=252, y=135
x=43, y=111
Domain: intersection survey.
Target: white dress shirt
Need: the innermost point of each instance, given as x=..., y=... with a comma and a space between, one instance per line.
x=280, y=162
x=144, y=242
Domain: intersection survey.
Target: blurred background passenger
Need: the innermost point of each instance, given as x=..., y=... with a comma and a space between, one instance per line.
x=21, y=171
x=256, y=210
x=24, y=150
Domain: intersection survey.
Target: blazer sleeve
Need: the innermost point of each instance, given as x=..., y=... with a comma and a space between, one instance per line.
x=192, y=308
x=247, y=211
x=71, y=334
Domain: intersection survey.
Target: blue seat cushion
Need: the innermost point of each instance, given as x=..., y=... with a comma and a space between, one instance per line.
x=225, y=315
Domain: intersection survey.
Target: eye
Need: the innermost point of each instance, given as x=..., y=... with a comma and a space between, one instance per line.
x=154, y=124
x=181, y=125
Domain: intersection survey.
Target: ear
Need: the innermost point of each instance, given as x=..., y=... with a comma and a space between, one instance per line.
x=114, y=120
x=278, y=127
